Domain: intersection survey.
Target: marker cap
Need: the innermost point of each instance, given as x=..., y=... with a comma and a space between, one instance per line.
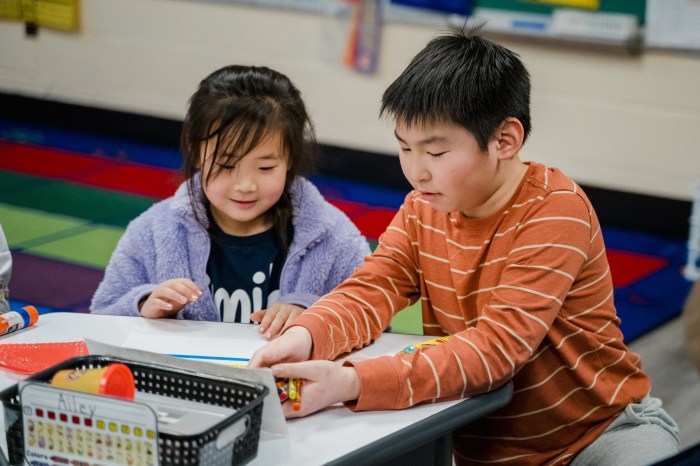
x=118, y=380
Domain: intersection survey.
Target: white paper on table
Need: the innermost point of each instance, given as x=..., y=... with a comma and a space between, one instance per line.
x=272, y=416
x=209, y=348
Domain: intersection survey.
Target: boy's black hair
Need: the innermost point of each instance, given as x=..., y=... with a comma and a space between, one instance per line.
x=464, y=79
x=238, y=107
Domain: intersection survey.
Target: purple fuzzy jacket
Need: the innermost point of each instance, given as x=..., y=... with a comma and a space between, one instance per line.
x=166, y=242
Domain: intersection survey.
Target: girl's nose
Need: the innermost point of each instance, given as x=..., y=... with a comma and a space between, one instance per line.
x=243, y=182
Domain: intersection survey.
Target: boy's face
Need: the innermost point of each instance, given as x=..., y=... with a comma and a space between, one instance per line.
x=444, y=162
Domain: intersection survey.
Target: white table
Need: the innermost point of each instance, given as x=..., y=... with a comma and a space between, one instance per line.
x=333, y=436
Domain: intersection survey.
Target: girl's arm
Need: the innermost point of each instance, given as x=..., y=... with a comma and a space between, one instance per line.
x=126, y=281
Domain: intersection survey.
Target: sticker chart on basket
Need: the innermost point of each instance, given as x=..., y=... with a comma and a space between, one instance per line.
x=66, y=427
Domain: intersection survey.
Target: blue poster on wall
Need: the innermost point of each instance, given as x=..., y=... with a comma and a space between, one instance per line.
x=460, y=7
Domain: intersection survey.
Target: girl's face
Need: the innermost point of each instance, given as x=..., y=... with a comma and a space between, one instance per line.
x=240, y=195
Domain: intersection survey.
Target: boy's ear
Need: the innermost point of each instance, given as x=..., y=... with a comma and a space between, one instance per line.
x=508, y=138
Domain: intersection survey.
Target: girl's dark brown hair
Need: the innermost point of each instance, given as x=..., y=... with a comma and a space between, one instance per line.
x=238, y=107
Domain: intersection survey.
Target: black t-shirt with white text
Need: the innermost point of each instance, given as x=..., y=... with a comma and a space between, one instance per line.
x=244, y=273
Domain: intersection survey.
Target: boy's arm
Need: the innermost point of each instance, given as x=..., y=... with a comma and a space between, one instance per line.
x=550, y=249
x=361, y=308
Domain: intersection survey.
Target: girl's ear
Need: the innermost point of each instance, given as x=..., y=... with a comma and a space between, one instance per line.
x=508, y=138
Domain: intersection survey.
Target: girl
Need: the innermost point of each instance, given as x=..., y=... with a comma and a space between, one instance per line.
x=245, y=231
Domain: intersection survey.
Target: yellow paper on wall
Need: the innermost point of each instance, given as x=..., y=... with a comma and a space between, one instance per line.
x=11, y=10
x=589, y=4
x=53, y=14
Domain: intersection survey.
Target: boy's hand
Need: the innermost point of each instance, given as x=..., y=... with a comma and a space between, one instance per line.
x=168, y=298
x=276, y=318
x=325, y=383
x=293, y=346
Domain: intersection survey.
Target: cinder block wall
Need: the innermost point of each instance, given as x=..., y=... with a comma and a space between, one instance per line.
x=609, y=120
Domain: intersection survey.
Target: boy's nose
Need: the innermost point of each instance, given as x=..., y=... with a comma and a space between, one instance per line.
x=416, y=170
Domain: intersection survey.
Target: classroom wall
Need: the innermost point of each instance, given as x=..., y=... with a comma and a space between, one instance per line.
x=607, y=118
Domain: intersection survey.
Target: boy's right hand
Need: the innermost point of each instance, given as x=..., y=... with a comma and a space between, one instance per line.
x=294, y=345
x=169, y=297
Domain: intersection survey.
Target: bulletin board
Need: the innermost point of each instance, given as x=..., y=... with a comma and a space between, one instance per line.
x=634, y=7
x=630, y=25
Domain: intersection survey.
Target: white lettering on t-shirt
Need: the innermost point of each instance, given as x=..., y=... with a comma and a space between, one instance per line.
x=240, y=298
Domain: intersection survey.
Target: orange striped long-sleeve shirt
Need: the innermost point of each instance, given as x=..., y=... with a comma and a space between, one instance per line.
x=526, y=294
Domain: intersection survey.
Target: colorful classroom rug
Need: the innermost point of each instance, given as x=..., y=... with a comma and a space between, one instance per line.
x=66, y=197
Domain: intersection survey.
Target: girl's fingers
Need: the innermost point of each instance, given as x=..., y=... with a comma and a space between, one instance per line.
x=162, y=304
x=257, y=316
x=277, y=324
x=278, y=318
x=172, y=295
x=188, y=290
x=296, y=311
x=176, y=294
x=268, y=316
x=155, y=308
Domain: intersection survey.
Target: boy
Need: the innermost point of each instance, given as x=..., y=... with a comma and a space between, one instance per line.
x=508, y=258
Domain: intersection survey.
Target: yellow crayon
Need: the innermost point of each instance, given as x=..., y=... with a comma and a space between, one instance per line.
x=292, y=389
x=297, y=402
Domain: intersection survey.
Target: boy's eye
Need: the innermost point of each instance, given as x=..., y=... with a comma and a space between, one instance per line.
x=437, y=154
x=405, y=149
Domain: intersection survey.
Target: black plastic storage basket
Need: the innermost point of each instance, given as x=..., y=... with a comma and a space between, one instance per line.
x=174, y=450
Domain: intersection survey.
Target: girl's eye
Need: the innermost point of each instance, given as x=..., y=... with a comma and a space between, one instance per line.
x=267, y=169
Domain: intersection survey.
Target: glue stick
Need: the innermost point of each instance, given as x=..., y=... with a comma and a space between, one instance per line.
x=15, y=320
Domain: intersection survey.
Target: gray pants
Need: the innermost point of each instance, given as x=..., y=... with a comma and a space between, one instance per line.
x=642, y=434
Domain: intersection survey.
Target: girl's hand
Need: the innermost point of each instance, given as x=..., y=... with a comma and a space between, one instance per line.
x=324, y=383
x=168, y=298
x=293, y=346
x=276, y=318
